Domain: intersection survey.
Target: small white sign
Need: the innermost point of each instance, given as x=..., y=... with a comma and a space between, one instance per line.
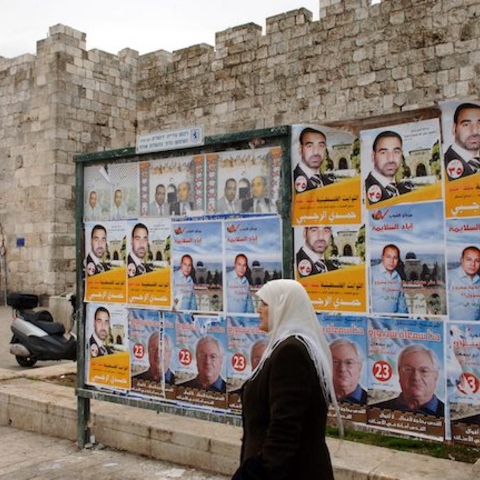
x=170, y=140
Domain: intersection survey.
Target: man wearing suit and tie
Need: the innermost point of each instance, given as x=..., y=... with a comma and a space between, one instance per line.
x=258, y=203
x=158, y=208
x=228, y=203
x=98, y=341
x=311, y=257
x=312, y=149
x=136, y=261
x=94, y=260
x=183, y=206
x=387, y=154
x=462, y=158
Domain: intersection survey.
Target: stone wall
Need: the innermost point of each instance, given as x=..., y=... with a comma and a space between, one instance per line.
x=358, y=61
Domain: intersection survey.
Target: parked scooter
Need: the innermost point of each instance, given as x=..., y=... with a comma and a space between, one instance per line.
x=36, y=336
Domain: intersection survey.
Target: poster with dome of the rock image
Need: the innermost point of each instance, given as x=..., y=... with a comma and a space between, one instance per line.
x=406, y=258
x=325, y=176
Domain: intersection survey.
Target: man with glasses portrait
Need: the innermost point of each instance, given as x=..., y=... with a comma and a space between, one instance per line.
x=418, y=371
x=347, y=369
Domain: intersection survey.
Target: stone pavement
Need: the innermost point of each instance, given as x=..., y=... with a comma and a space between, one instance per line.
x=26, y=455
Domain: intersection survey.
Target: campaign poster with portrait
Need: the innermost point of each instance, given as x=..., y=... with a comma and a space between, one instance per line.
x=173, y=187
x=325, y=176
x=148, y=262
x=124, y=190
x=107, y=356
x=463, y=263
x=105, y=273
x=330, y=264
x=347, y=339
x=152, y=341
x=463, y=382
x=246, y=345
x=401, y=163
x=461, y=157
x=97, y=194
x=201, y=350
x=406, y=389
x=253, y=256
x=244, y=181
x=406, y=253
x=197, y=258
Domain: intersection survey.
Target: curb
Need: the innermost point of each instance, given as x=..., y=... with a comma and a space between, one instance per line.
x=28, y=403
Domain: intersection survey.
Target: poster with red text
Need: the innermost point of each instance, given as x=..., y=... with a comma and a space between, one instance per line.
x=406, y=376
x=107, y=355
x=246, y=344
x=326, y=176
x=463, y=382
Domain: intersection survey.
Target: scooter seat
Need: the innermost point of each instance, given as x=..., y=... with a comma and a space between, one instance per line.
x=43, y=320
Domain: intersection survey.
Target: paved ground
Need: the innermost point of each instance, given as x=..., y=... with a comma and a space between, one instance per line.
x=29, y=456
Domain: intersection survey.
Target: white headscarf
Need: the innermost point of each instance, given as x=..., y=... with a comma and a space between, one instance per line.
x=290, y=313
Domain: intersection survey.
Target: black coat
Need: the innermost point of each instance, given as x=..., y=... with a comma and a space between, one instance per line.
x=402, y=187
x=313, y=270
x=284, y=419
x=306, y=181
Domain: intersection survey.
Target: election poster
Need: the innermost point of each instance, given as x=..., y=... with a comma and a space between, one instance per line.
x=197, y=259
x=401, y=164
x=346, y=335
x=246, y=345
x=461, y=158
x=173, y=187
x=244, y=181
x=97, y=194
x=148, y=262
x=107, y=349
x=201, y=350
x=463, y=263
x=253, y=256
x=325, y=176
x=124, y=190
x=463, y=382
x=104, y=263
x=151, y=348
x=406, y=255
x=330, y=264
x=406, y=389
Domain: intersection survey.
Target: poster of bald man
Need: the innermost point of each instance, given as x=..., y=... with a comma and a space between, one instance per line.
x=246, y=345
x=151, y=349
x=463, y=382
x=406, y=376
x=325, y=175
x=346, y=335
x=201, y=350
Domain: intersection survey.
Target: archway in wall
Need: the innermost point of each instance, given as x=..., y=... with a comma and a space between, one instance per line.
x=421, y=170
x=343, y=164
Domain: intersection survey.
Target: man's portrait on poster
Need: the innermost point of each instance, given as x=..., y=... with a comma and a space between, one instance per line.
x=312, y=150
x=310, y=258
x=387, y=155
x=418, y=373
x=98, y=343
x=94, y=261
x=464, y=286
x=462, y=158
x=137, y=258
